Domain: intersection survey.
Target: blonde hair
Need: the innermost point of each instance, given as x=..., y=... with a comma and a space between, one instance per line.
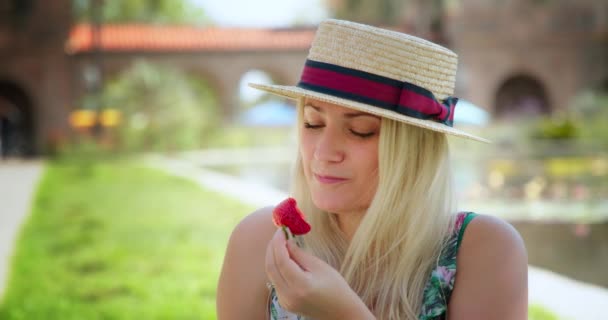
x=398, y=242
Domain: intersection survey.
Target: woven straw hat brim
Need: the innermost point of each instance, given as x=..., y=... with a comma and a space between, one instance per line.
x=293, y=92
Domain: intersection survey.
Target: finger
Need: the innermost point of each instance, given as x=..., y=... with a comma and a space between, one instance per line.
x=303, y=259
x=271, y=269
x=276, y=244
x=274, y=274
x=287, y=267
x=289, y=270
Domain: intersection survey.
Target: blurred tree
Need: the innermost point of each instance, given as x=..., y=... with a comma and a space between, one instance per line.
x=163, y=108
x=585, y=120
x=556, y=128
x=590, y=107
x=387, y=12
x=422, y=17
x=146, y=11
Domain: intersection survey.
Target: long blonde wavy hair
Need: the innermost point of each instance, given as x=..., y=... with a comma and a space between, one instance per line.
x=390, y=256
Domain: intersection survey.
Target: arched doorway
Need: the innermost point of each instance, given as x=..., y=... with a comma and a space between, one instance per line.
x=521, y=96
x=16, y=125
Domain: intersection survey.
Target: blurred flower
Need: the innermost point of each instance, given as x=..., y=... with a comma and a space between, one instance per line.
x=476, y=191
x=534, y=188
x=82, y=118
x=580, y=192
x=558, y=190
x=496, y=179
x=599, y=167
x=582, y=230
x=110, y=117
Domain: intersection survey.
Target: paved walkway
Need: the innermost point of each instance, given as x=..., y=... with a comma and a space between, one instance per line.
x=567, y=298
x=18, y=181
x=248, y=192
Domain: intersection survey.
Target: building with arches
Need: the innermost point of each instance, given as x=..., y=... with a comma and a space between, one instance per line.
x=517, y=57
x=528, y=57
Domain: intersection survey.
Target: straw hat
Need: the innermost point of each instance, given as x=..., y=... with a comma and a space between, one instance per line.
x=382, y=72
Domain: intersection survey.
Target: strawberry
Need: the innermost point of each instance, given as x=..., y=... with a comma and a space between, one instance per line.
x=287, y=214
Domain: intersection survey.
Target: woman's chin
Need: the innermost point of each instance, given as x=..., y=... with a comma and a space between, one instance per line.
x=333, y=204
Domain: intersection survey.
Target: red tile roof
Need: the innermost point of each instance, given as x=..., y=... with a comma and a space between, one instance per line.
x=137, y=37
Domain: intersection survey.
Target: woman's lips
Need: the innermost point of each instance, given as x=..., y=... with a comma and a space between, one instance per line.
x=328, y=179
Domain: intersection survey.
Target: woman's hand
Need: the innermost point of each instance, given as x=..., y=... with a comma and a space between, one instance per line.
x=308, y=286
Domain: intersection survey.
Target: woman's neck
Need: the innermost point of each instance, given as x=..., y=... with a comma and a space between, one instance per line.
x=349, y=222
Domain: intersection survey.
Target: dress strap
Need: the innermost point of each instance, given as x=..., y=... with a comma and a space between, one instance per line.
x=440, y=284
x=468, y=217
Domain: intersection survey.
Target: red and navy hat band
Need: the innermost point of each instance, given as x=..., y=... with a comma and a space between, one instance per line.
x=386, y=93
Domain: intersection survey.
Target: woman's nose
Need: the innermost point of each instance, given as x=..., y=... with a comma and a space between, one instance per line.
x=329, y=147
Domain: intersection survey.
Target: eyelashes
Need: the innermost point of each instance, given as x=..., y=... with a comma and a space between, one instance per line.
x=308, y=125
x=363, y=135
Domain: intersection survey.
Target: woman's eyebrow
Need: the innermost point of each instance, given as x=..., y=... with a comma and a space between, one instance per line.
x=314, y=107
x=348, y=115
x=359, y=114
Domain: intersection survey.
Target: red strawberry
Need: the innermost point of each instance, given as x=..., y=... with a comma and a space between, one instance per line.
x=287, y=214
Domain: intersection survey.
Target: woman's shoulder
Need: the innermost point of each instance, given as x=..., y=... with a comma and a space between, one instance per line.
x=252, y=234
x=242, y=291
x=492, y=267
x=486, y=232
x=256, y=224
x=486, y=239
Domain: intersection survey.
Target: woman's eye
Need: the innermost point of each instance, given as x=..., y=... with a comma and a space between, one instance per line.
x=363, y=134
x=308, y=125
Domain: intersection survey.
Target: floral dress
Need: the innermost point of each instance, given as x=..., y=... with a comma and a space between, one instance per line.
x=438, y=288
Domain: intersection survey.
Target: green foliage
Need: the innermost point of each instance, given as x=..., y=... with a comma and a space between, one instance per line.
x=84, y=151
x=145, y=11
x=555, y=129
x=115, y=240
x=164, y=110
x=536, y=312
x=591, y=109
x=585, y=120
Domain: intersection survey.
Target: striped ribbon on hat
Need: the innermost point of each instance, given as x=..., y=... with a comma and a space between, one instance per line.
x=402, y=97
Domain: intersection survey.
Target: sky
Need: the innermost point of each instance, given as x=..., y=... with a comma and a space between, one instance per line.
x=263, y=13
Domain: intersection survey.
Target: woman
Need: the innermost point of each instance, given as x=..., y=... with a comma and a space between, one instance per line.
x=373, y=177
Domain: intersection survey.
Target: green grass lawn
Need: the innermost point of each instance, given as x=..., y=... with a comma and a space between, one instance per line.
x=119, y=241
x=116, y=240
